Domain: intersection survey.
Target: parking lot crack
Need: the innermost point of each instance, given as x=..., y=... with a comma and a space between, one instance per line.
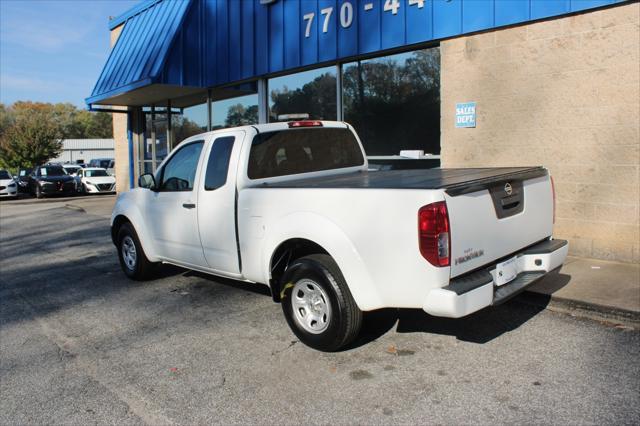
x=290, y=345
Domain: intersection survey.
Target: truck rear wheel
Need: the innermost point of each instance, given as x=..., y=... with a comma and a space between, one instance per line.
x=318, y=305
x=133, y=261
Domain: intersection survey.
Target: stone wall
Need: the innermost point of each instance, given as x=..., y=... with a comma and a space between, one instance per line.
x=120, y=136
x=563, y=93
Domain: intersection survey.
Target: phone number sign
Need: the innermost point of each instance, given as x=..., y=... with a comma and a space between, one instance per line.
x=346, y=13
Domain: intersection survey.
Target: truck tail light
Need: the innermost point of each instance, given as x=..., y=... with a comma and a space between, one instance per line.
x=305, y=123
x=434, y=234
x=553, y=191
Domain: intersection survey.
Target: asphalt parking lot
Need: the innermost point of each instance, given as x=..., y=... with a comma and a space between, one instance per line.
x=82, y=344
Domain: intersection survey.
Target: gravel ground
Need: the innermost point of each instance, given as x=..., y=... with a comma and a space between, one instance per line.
x=82, y=344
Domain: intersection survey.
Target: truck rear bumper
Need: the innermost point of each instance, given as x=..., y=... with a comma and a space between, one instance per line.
x=472, y=292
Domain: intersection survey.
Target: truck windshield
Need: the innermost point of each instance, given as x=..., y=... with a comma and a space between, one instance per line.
x=293, y=151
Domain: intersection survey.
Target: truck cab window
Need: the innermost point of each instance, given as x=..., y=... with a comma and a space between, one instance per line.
x=289, y=152
x=180, y=171
x=218, y=164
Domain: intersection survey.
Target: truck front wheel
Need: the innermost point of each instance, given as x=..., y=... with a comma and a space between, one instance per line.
x=133, y=261
x=318, y=305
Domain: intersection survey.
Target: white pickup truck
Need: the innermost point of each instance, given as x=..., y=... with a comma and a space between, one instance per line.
x=294, y=206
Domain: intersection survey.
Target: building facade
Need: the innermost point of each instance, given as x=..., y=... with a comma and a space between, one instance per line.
x=81, y=151
x=479, y=82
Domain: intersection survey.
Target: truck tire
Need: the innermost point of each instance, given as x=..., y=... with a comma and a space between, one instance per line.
x=318, y=305
x=133, y=261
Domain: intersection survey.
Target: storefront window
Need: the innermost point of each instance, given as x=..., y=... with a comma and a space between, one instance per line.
x=239, y=111
x=311, y=92
x=155, y=147
x=146, y=148
x=192, y=121
x=394, y=102
x=162, y=146
x=147, y=167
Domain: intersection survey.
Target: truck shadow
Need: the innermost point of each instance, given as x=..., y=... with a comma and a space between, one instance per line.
x=240, y=285
x=480, y=327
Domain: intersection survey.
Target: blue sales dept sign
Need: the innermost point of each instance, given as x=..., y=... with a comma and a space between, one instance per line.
x=466, y=114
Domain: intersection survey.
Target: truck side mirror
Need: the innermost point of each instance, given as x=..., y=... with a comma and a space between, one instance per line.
x=147, y=181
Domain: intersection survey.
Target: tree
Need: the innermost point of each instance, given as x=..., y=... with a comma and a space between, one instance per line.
x=6, y=119
x=25, y=127
x=239, y=115
x=316, y=98
x=393, y=104
x=81, y=124
x=184, y=128
x=32, y=139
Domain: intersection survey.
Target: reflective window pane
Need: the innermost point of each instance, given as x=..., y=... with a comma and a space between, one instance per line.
x=146, y=147
x=192, y=121
x=239, y=111
x=145, y=167
x=310, y=92
x=162, y=146
x=394, y=102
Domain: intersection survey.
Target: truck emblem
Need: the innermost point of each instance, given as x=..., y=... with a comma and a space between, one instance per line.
x=507, y=188
x=469, y=254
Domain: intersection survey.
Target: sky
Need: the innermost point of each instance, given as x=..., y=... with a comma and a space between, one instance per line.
x=54, y=50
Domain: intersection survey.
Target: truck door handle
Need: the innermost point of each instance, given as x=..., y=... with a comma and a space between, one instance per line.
x=189, y=205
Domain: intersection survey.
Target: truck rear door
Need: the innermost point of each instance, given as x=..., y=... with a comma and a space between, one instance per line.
x=494, y=218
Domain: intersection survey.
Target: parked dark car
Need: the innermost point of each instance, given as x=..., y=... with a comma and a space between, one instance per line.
x=23, y=180
x=50, y=180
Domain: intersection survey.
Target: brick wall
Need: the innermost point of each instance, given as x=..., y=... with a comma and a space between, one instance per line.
x=563, y=93
x=120, y=136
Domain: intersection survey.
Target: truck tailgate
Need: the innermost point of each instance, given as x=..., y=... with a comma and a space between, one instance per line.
x=493, y=217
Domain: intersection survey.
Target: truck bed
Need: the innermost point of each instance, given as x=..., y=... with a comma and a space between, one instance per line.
x=454, y=181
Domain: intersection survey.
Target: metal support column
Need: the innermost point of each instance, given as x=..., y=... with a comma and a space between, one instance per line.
x=153, y=138
x=339, y=105
x=138, y=140
x=209, y=111
x=169, y=135
x=263, y=101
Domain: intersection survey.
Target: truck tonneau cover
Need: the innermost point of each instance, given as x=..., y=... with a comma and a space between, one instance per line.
x=455, y=181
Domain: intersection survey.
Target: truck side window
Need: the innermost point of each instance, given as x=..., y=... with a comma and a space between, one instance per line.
x=180, y=171
x=218, y=164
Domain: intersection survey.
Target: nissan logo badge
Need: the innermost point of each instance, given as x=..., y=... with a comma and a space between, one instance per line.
x=507, y=188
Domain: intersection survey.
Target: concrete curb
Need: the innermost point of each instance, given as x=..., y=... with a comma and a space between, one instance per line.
x=582, y=309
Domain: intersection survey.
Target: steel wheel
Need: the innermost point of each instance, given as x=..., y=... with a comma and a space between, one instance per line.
x=129, y=254
x=311, y=307
x=317, y=303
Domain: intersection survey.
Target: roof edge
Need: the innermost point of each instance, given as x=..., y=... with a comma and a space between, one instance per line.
x=139, y=8
x=91, y=100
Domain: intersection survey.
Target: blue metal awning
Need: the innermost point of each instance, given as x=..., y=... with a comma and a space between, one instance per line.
x=175, y=49
x=136, y=61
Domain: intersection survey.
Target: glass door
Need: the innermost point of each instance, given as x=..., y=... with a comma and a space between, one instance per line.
x=157, y=142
